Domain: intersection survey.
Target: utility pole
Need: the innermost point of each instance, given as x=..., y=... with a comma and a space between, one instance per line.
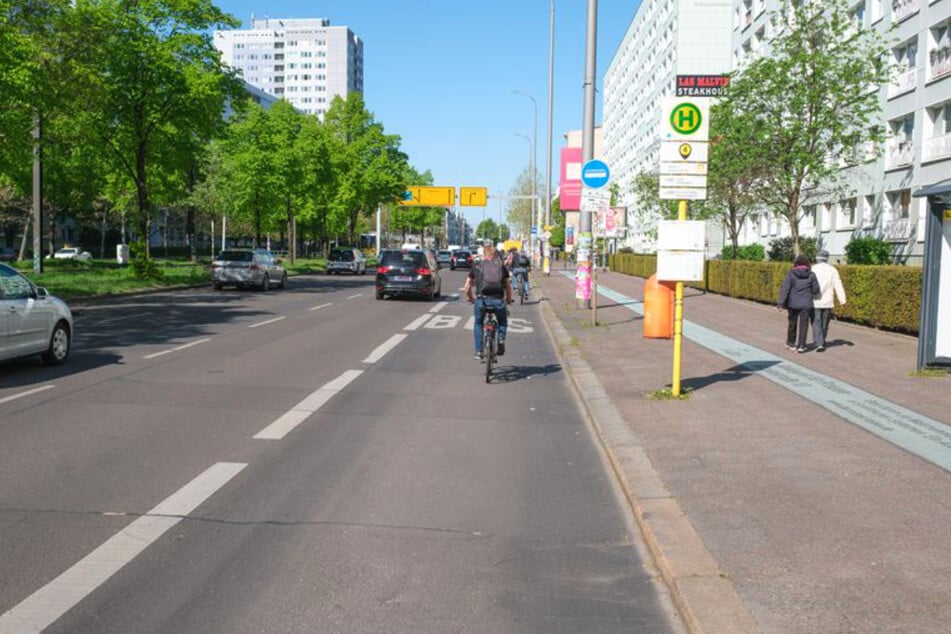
x=546, y=261
x=37, y=193
x=585, y=240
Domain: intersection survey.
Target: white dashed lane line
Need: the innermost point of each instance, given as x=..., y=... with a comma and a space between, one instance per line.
x=416, y=323
x=300, y=412
x=355, y=296
x=176, y=349
x=321, y=306
x=13, y=397
x=46, y=605
x=385, y=347
x=269, y=321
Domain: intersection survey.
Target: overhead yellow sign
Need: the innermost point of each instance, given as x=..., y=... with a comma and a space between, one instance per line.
x=430, y=196
x=473, y=196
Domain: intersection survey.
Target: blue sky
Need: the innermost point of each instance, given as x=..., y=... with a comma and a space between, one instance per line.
x=440, y=73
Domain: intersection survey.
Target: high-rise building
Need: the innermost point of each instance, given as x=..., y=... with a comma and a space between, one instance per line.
x=666, y=38
x=305, y=61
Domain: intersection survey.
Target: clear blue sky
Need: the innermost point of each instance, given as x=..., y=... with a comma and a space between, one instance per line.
x=440, y=73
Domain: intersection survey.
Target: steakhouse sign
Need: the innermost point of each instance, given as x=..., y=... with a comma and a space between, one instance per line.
x=702, y=85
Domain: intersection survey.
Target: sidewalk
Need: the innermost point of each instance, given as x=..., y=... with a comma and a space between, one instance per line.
x=776, y=497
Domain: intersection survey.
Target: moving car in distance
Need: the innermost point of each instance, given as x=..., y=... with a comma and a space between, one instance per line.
x=347, y=260
x=444, y=257
x=72, y=253
x=407, y=272
x=34, y=322
x=460, y=260
x=243, y=268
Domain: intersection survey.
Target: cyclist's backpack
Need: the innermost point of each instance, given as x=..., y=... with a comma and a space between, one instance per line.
x=490, y=277
x=523, y=261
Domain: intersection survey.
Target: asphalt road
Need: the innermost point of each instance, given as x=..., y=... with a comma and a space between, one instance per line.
x=308, y=460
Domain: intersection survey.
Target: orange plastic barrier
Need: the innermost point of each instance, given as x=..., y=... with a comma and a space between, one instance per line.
x=658, y=309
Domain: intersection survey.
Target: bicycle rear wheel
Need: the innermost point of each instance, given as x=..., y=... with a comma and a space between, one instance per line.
x=488, y=352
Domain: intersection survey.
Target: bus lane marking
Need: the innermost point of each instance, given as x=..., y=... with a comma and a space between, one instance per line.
x=302, y=411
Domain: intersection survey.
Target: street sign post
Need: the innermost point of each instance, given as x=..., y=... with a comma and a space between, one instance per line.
x=473, y=196
x=595, y=174
x=429, y=197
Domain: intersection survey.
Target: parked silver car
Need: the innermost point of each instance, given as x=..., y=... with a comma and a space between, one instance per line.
x=31, y=320
x=347, y=259
x=247, y=267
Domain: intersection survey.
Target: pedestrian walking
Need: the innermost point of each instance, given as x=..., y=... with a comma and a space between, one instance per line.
x=830, y=290
x=795, y=296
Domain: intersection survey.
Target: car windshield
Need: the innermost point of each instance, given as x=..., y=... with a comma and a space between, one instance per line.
x=341, y=256
x=444, y=253
x=414, y=258
x=236, y=256
x=461, y=254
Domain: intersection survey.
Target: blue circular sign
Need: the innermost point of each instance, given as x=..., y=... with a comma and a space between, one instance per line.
x=595, y=174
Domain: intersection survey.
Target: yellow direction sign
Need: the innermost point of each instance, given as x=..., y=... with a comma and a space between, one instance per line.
x=429, y=196
x=473, y=196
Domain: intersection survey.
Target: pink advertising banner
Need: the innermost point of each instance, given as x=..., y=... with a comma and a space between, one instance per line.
x=569, y=186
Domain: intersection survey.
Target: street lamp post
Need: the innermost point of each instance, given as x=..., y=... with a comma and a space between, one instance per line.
x=546, y=261
x=532, y=165
x=531, y=149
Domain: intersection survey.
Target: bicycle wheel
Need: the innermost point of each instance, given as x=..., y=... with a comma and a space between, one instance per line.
x=521, y=291
x=488, y=351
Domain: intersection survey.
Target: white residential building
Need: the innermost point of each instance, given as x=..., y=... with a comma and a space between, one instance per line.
x=305, y=61
x=665, y=38
x=916, y=113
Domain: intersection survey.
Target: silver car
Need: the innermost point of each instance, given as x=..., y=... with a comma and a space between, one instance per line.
x=346, y=259
x=32, y=321
x=247, y=267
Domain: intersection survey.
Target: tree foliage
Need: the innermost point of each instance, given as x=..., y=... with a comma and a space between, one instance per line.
x=807, y=110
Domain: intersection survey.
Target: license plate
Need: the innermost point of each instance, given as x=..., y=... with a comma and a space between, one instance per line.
x=403, y=278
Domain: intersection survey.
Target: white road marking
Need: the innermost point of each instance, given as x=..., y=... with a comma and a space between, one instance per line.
x=269, y=321
x=13, y=397
x=385, y=347
x=42, y=608
x=516, y=325
x=355, y=296
x=438, y=307
x=176, y=349
x=439, y=322
x=322, y=306
x=300, y=412
x=416, y=323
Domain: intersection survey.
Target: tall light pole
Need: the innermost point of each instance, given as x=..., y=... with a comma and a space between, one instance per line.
x=586, y=242
x=531, y=153
x=546, y=262
x=532, y=166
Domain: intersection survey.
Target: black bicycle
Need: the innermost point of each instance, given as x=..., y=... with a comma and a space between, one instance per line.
x=520, y=287
x=490, y=340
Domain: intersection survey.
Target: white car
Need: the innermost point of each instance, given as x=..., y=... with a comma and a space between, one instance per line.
x=32, y=321
x=72, y=253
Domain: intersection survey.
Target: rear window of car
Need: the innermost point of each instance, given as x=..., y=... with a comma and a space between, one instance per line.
x=461, y=254
x=236, y=256
x=444, y=253
x=416, y=258
x=341, y=256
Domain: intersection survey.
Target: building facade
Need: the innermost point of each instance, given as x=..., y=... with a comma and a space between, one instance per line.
x=665, y=38
x=308, y=62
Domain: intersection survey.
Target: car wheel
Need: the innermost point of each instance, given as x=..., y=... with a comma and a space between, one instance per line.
x=58, y=350
x=379, y=295
x=283, y=283
x=217, y=286
x=266, y=284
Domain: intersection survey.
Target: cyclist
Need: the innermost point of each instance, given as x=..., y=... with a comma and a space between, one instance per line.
x=520, y=267
x=487, y=288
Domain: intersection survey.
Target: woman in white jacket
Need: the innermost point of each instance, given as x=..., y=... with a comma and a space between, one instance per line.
x=830, y=289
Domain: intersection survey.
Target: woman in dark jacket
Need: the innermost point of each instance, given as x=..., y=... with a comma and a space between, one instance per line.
x=795, y=295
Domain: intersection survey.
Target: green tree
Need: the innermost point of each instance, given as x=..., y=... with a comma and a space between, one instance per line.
x=368, y=166
x=807, y=107
x=487, y=230
x=520, y=205
x=153, y=78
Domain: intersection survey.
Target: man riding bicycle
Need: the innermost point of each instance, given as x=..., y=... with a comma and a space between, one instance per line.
x=520, y=266
x=488, y=289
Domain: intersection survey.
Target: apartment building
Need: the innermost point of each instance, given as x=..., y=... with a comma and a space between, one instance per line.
x=665, y=38
x=916, y=113
x=305, y=61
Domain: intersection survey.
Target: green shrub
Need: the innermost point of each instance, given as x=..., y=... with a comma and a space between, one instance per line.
x=868, y=250
x=143, y=267
x=754, y=252
x=781, y=249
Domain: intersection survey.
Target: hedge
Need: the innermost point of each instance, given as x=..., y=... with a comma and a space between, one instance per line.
x=887, y=297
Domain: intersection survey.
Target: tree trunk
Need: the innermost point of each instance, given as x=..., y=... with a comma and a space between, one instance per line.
x=142, y=195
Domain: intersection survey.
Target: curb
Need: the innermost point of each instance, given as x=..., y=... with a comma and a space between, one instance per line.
x=703, y=594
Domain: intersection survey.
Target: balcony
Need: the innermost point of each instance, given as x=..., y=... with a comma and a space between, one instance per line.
x=939, y=63
x=936, y=148
x=898, y=154
x=902, y=9
x=898, y=230
x=905, y=82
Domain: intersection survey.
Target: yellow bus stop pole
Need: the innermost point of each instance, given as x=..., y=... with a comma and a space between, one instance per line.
x=678, y=317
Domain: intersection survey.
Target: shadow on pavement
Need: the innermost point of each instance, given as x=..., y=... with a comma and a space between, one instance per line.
x=736, y=373
x=510, y=373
